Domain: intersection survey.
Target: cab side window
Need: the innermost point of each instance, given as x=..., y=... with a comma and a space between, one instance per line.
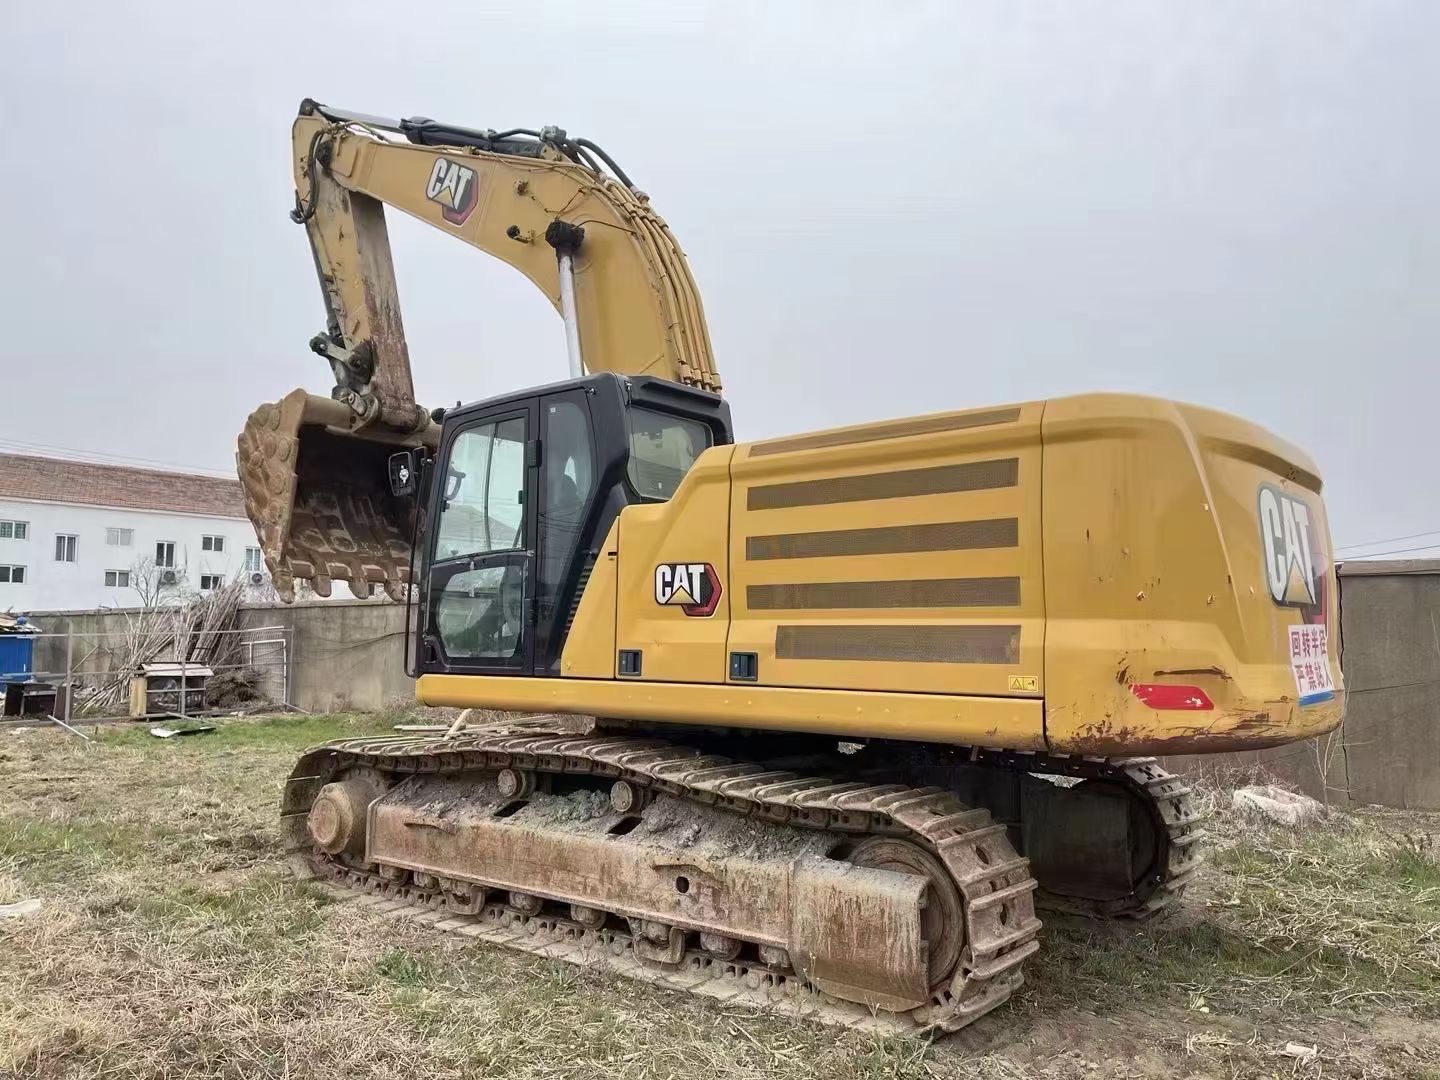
x=478, y=610
x=569, y=481
x=482, y=507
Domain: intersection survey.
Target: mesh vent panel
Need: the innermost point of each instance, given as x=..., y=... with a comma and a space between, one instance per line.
x=935, y=593
x=938, y=480
x=914, y=644
x=890, y=540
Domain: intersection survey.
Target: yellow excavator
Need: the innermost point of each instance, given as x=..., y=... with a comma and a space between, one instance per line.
x=816, y=722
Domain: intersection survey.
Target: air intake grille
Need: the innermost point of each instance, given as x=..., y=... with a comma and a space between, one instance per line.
x=888, y=540
x=938, y=480
x=912, y=644
x=935, y=593
x=579, y=592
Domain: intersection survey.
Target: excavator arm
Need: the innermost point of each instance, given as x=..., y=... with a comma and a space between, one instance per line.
x=557, y=209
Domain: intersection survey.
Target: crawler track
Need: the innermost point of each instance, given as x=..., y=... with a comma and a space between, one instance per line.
x=1178, y=837
x=998, y=911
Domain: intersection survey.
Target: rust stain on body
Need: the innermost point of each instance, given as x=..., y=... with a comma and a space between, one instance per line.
x=1129, y=741
x=1218, y=672
x=1254, y=730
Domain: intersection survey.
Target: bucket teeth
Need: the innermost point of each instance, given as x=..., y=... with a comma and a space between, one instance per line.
x=318, y=495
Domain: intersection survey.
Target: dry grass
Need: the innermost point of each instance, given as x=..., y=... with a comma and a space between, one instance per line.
x=173, y=944
x=1321, y=919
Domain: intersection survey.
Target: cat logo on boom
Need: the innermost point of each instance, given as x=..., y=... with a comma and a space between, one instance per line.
x=1291, y=544
x=692, y=587
x=455, y=187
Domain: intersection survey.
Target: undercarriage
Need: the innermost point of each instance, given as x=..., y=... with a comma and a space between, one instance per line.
x=887, y=892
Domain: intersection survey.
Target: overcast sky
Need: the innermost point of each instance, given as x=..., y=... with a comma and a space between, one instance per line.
x=891, y=208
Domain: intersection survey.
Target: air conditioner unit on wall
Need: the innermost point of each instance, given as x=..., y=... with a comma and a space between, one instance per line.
x=169, y=577
x=257, y=578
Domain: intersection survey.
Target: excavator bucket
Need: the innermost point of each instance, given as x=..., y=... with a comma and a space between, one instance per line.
x=318, y=494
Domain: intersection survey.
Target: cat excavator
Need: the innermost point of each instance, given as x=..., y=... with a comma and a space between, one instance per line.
x=817, y=722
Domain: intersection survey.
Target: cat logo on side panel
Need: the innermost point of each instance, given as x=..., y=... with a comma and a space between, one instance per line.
x=692, y=587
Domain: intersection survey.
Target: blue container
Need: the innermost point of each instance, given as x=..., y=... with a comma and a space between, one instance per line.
x=17, y=656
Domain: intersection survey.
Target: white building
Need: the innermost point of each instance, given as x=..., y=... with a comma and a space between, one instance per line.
x=76, y=535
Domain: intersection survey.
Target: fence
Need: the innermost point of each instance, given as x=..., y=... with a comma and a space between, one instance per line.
x=338, y=654
x=104, y=673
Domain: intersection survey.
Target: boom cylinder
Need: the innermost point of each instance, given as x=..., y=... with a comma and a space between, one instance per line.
x=566, y=239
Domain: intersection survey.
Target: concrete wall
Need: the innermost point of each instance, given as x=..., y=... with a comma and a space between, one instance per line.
x=343, y=654
x=347, y=654
x=1391, y=624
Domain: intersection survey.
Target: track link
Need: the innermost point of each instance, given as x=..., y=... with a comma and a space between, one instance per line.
x=999, y=920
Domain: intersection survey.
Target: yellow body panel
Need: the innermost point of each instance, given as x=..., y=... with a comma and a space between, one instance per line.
x=1154, y=573
x=691, y=527
x=855, y=713
x=1015, y=577
x=860, y=563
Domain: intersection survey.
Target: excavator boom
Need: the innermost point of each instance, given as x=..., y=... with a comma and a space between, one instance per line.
x=555, y=208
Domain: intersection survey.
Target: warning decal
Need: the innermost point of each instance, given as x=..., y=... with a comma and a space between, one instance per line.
x=1310, y=661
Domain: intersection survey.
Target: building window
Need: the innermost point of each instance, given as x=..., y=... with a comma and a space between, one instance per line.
x=65, y=547
x=12, y=575
x=211, y=581
x=165, y=554
x=14, y=530
x=254, y=562
x=119, y=537
x=212, y=543
x=117, y=579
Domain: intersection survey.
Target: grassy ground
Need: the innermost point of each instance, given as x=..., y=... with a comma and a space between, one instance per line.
x=173, y=944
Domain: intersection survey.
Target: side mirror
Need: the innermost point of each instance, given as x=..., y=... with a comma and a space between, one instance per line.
x=405, y=467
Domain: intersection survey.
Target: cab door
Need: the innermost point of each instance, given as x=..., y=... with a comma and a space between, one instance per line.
x=480, y=590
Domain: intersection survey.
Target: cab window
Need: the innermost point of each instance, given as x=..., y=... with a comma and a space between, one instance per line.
x=662, y=449
x=479, y=614
x=569, y=468
x=482, y=508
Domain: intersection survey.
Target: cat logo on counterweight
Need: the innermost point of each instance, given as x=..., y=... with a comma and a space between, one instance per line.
x=1294, y=552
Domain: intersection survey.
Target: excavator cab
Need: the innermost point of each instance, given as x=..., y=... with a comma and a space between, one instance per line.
x=519, y=495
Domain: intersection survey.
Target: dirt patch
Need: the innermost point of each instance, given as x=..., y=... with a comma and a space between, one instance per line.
x=584, y=805
x=673, y=824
